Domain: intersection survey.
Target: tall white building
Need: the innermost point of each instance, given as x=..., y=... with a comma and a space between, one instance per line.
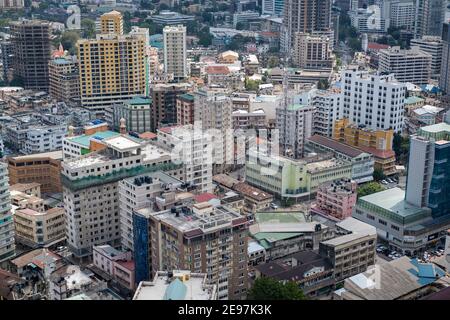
x=175, y=51
x=326, y=104
x=413, y=65
x=295, y=126
x=433, y=46
x=214, y=111
x=7, y=244
x=90, y=189
x=372, y=100
x=402, y=13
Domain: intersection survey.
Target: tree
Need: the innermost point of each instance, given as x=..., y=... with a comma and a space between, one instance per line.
x=270, y=289
x=88, y=27
x=323, y=84
x=252, y=85
x=273, y=62
x=400, y=145
x=240, y=26
x=378, y=174
x=69, y=39
x=369, y=188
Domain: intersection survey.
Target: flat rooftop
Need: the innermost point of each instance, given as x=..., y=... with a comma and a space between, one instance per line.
x=153, y=152
x=392, y=200
x=85, y=140
x=122, y=143
x=57, y=155
x=279, y=217
x=163, y=288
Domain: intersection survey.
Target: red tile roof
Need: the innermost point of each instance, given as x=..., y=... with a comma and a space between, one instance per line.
x=128, y=264
x=148, y=136
x=377, y=46
x=383, y=154
x=217, y=70
x=204, y=197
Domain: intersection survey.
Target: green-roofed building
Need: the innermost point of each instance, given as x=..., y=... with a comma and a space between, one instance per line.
x=80, y=145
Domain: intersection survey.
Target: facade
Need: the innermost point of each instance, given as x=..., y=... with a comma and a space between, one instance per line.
x=353, y=250
x=11, y=4
x=32, y=49
x=326, y=104
x=295, y=126
x=43, y=168
x=362, y=162
x=305, y=16
x=433, y=46
x=413, y=65
x=35, y=229
x=242, y=119
x=204, y=239
x=64, y=82
x=90, y=189
x=175, y=52
x=444, y=81
x=7, y=243
x=336, y=198
x=213, y=114
x=171, y=18
x=430, y=15
x=137, y=113
x=111, y=22
x=374, y=101
x=185, y=109
x=45, y=139
x=164, y=107
x=109, y=75
x=312, y=51
x=7, y=56
x=361, y=19
x=402, y=14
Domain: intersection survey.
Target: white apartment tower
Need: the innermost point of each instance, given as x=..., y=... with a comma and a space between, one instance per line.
x=213, y=111
x=7, y=244
x=326, y=104
x=294, y=123
x=433, y=46
x=175, y=51
x=413, y=65
x=372, y=100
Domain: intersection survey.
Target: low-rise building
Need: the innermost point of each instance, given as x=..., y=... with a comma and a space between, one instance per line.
x=176, y=285
x=336, y=199
x=255, y=199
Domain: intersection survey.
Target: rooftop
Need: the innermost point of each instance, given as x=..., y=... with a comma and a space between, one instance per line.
x=38, y=257
x=122, y=143
x=84, y=140
x=336, y=145
x=56, y=155
x=252, y=192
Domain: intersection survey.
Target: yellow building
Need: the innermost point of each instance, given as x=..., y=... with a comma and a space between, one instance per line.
x=35, y=228
x=379, y=143
x=111, y=22
x=111, y=68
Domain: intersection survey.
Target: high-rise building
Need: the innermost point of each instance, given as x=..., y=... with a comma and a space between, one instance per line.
x=32, y=52
x=372, y=100
x=7, y=55
x=185, y=109
x=326, y=104
x=430, y=15
x=11, y=4
x=305, y=16
x=402, y=13
x=433, y=46
x=428, y=177
x=90, y=188
x=175, y=52
x=213, y=111
x=164, y=103
x=413, y=65
x=111, y=22
x=312, y=51
x=444, y=80
x=112, y=69
x=7, y=244
x=136, y=112
x=203, y=239
x=295, y=127
x=64, y=81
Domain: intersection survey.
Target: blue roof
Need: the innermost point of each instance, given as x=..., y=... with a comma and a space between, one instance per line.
x=426, y=273
x=175, y=291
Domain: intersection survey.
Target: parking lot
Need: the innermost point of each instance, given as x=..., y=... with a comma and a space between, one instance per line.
x=389, y=182
x=384, y=252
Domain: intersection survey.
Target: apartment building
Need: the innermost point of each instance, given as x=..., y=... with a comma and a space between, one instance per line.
x=36, y=229
x=136, y=112
x=11, y=4
x=185, y=109
x=295, y=126
x=375, y=101
x=140, y=192
x=42, y=168
x=32, y=51
x=312, y=51
x=413, y=65
x=7, y=244
x=193, y=150
x=213, y=114
x=242, y=119
x=175, y=52
x=164, y=103
x=326, y=104
x=336, y=198
x=433, y=46
x=90, y=189
x=64, y=81
x=202, y=239
x=402, y=14
x=44, y=139
x=111, y=22
x=111, y=68
x=353, y=250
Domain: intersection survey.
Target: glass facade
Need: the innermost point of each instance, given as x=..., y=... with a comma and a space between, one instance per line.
x=141, y=248
x=439, y=194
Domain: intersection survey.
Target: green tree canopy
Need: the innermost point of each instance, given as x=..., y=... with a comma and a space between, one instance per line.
x=252, y=85
x=369, y=188
x=270, y=289
x=69, y=40
x=88, y=28
x=378, y=174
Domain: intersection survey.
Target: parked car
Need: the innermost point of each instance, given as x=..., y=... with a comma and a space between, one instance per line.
x=384, y=182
